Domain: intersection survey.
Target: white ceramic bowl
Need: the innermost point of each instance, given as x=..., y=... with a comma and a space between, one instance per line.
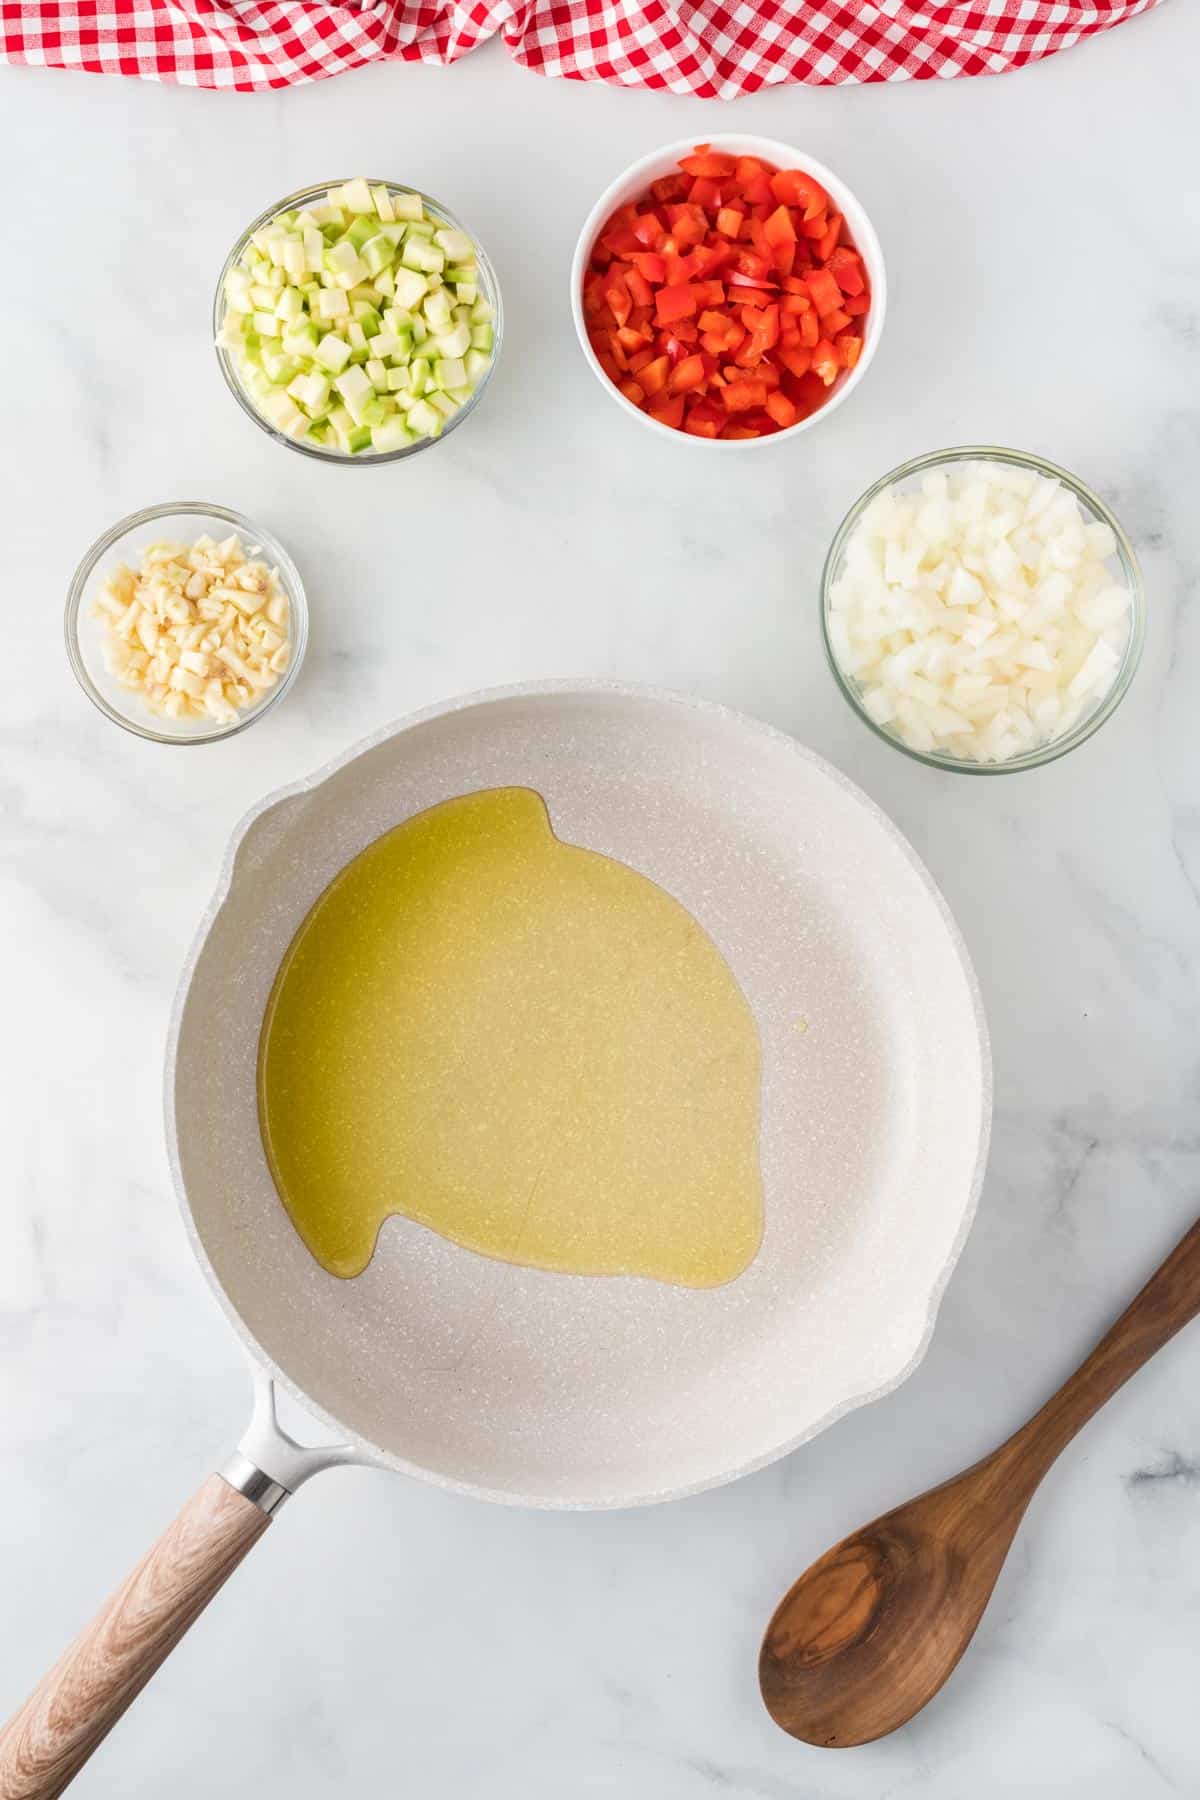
x=634, y=182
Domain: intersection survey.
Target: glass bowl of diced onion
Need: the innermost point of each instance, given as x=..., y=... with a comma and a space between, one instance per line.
x=294, y=435
x=982, y=610
x=129, y=610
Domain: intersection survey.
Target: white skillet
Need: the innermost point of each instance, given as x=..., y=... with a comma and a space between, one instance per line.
x=541, y=1389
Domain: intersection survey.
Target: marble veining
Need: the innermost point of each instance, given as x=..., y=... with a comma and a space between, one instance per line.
x=609, y=1653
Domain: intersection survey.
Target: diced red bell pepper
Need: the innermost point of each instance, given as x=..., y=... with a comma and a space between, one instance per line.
x=640, y=291
x=653, y=376
x=687, y=375
x=710, y=164
x=792, y=187
x=781, y=409
x=756, y=188
x=829, y=243
x=825, y=362
x=743, y=396
x=669, y=187
x=752, y=267
x=824, y=291
x=650, y=266
x=796, y=360
x=725, y=302
x=668, y=411
x=617, y=296
x=647, y=228
x=672, y=303
x=706, y=194
x=703, y=419
x=779, y=229
x=846, y=268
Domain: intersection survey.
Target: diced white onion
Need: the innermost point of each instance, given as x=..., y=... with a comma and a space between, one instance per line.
x=978, y=616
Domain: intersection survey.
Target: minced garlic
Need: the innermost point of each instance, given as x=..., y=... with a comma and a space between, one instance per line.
x=200, y=631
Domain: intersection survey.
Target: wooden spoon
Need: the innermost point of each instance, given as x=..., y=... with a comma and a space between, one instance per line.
x=869, y=1634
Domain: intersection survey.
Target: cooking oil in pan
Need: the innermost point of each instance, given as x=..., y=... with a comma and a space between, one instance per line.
x=523, y=1045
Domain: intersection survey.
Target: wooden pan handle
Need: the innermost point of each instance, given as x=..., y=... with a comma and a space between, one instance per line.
x=1169, y=1300
x=45, y=1744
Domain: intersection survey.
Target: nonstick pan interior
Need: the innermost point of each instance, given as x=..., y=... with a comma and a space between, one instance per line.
x=570, y=1391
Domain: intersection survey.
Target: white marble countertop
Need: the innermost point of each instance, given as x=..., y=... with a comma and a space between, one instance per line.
x=389, y=1639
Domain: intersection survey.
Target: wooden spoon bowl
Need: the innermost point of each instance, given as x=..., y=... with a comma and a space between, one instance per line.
x=876, y=1626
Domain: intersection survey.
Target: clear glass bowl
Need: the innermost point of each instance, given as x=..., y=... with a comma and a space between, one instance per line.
x=184, y=520
x=1094, y=510
x=488, y=284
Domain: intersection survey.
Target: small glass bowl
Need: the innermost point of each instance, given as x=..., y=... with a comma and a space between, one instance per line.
x=184, y=520
x=489, y=286
x=1095, y=511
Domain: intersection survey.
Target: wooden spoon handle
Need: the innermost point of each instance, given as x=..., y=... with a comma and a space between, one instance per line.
x=1164, y=1306
x=45, y=1744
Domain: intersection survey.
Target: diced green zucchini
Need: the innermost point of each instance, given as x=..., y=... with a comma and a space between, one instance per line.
x=392, y=434
x=377, y=253
x=450, y=372
x=411, y=287
x=280, y=366
x=360, y=231
x=365, y=292
x=419, y=253
x=456, y=342
x=424, y=419
x=356, y=197
x=333, y=353
x=436, y=310
x=456, y=244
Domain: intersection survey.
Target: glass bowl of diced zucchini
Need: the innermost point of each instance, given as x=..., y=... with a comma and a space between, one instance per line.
x=357, y=321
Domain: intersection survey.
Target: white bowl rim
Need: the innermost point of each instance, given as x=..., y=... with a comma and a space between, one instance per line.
x=866, y=240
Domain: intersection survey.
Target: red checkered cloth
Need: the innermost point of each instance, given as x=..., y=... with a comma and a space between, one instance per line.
x=716, y=49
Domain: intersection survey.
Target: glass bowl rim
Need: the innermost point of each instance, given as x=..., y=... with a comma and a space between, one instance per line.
x=250, y=534
x=346, y=458
x=1131, y=570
